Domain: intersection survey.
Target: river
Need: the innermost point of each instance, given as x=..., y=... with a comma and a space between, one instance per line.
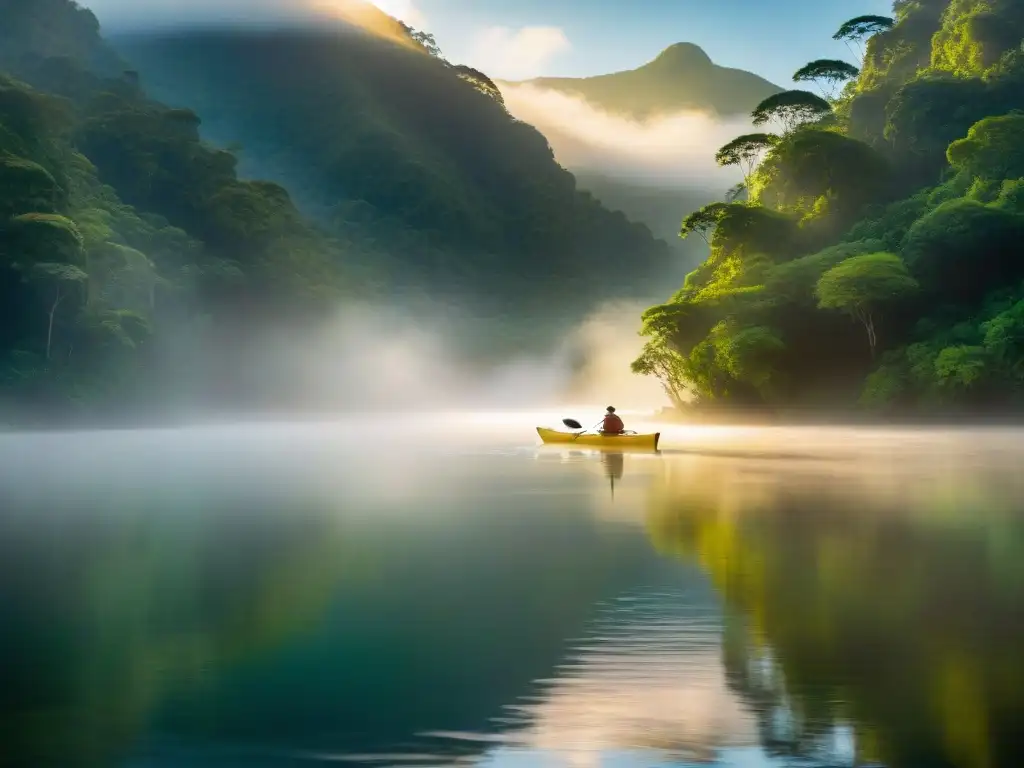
x=440, y=590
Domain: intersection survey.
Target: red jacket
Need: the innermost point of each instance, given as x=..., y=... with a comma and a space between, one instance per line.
x=612, y=423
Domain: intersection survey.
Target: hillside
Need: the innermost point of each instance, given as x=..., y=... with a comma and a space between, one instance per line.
x=142, y=266
x=682, y=77
x=387, y=145
x=877, y=261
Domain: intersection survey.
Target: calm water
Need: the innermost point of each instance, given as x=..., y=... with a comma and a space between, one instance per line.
x=301, y=595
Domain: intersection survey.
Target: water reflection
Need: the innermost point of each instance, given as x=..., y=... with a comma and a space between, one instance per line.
x=884, y=599
x=276, y=598
x=614, y=466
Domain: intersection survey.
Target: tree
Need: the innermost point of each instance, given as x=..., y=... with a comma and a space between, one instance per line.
x=424, y=40
x=861, y=27
x=862, y=285
x=57, y=276
x=814, y=167
x=703, y=221
x=791, y=109
x=744, y=151
x=666, y=365
x=827, y=73
x=735, y=192
x=481, y=82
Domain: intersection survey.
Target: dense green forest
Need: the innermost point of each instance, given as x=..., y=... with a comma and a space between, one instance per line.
x=413, y=158
x=876, y=257
x=138, y=263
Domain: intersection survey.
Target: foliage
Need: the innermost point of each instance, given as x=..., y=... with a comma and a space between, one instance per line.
x=790, y=109
x=137, y=258
x=863, y=285
x=904, y=206
x=431, y=188
x=744, y=151
x=828, y=73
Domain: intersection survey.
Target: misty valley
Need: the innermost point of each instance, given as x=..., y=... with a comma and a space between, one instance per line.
x=439, y=383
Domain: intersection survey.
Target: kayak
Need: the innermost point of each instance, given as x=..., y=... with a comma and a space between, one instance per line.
x=593, y=439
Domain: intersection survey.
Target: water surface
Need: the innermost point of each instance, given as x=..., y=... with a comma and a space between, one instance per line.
x=440, y=590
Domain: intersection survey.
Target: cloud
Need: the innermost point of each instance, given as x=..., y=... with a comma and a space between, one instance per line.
x=675, y=150
x=517, y=53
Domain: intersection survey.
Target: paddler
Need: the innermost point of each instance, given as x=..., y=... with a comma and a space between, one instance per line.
x=612, y=424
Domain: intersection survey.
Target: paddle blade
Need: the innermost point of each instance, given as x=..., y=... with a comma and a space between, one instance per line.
x=572, y=424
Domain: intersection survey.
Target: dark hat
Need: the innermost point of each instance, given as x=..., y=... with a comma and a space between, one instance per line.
x=611, y=409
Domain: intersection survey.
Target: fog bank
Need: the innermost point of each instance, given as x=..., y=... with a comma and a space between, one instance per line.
x=370, y=357
x=672, y=150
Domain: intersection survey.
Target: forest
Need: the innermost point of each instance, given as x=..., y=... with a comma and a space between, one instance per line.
x=871, y=260
x=138, y=261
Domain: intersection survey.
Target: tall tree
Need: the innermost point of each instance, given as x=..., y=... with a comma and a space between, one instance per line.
x=791, y=109
x=827, y=74
x=862, y=285
x=744, y=151
x=859, y=28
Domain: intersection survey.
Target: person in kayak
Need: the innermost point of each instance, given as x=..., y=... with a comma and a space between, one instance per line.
x=612, y=424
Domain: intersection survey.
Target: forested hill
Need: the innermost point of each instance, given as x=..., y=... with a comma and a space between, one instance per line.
x=878, y=260
x=139, y=266
x=404, y=152
x=682, y=77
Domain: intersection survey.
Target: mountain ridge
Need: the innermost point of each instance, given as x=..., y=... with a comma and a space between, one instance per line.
x=681, y=77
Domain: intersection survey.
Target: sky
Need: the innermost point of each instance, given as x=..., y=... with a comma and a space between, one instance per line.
x=518, y=39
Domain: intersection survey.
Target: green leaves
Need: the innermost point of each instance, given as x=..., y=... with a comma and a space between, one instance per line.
x=992, y=149
x=66, y=273
x=861, y=27
x=791, y=109
x=828, y=73
x=864, y=283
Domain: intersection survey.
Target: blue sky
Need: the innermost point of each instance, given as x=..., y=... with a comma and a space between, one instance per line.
x=770, y=38
x=512, y=39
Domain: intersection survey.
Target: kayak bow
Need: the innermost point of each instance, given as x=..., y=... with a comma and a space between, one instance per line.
x=597, y=440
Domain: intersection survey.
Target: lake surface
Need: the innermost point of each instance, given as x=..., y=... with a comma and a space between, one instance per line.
x=448, y=592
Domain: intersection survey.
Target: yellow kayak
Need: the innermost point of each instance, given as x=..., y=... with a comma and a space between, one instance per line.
x=595, y=440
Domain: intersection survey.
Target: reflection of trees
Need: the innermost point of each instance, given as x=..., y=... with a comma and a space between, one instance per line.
x=104, y=615
x=871, y=614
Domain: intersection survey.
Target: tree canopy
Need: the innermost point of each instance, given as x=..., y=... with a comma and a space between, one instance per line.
x=862, y=285
x=900, y=204
x=790, y=109
x=828, y=73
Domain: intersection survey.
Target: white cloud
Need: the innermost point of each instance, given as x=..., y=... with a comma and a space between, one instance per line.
x=517, y=53
x=674, y=150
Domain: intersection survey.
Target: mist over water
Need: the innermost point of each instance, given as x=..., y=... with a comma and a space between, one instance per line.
x=370, y=357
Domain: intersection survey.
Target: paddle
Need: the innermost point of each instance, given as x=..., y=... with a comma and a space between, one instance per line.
x=573, y=424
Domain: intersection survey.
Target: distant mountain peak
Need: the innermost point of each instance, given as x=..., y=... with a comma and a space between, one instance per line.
x=681, y=77
x=682, y=56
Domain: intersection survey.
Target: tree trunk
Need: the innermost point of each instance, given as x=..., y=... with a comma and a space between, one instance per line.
x=49, y=329
x=869, y=323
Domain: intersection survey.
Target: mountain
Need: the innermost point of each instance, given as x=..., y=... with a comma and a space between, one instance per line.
x=682, y=77
x=169, y=206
